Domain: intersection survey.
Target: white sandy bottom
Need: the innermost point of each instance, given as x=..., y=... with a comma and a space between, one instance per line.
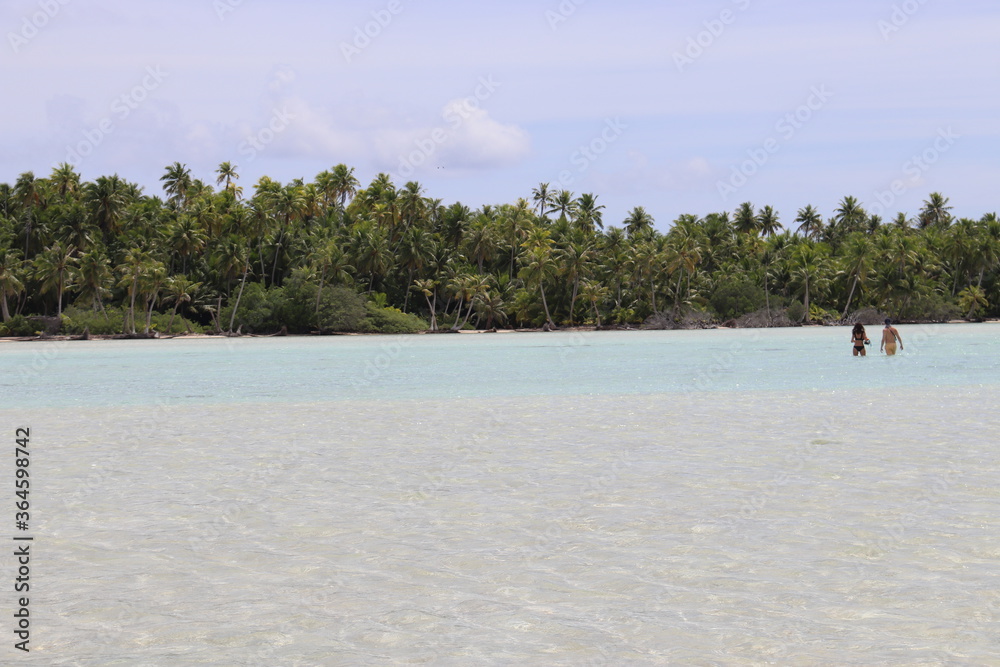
x=798, y=528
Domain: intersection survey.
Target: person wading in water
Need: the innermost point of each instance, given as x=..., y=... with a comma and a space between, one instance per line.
x=889, y=339
x=859, y=339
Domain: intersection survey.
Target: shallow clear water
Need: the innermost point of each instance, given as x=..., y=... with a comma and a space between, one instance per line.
x=710, y=497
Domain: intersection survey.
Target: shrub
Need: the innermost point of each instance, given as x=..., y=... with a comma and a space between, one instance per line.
x=796, y=311
x=732, y=299
x=391, y=321
x=19, y=325
x=76, y=320
x=256, y=313
x=819, y=314
x=342, y=309
x=763, y=318
x=928, y=308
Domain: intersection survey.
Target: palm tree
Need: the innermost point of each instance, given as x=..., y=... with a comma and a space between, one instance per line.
x=92, y=278
x=564, y=204
x=330, y=260
x=150, y=283
x=638, y=222
x=481, y=242
x=135, y=264
x=857, y=256
x=186, y=238
x=588, y=212
x=573, y=261
x=491, y=304
x=77, y=229
x=176, y=182
x=65, y=180
x=412, y=205
x=594, y=293
x=288, y=203
x=52, y=269
x=646, y=260
x=108, y=198
x=179, y=291
x=428, y=288
x=745, y=220
x=370, y=251
x=413, y=253
x=517, y=219
x=935, y=212
x=543, y=198
x=467, y=288
x=539, y=268
x=767, y=221
x=344, y=183
x=684, y=256
x=810, y=222
x=27, y=192
x=227, y=174
x=850, y=216
x=972, y=300
x=10, y=283
x=807, y=266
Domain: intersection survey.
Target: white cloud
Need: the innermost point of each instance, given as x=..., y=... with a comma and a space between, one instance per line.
x=468, y=138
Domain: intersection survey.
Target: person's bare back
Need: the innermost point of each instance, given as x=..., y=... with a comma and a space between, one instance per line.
x=890, y=336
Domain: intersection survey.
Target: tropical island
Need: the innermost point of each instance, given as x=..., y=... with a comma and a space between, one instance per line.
x=103, y=258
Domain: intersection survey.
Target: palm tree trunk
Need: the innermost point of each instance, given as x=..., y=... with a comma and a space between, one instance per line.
x=173, y=314
x=149, y=314
x=572, y=301
x=468, y=313
x=677, y=296
x=806, y=316
x=319, y=294
x=545, y=304
x=430, y=304
x=277, y=253
x=232, y=318
x=850, y=296
x=406, y=299
x=4, y=309
x=767, y=297
x=260, y=255
x=130, y=320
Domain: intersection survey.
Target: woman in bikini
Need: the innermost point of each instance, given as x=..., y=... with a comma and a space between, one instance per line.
x=858, y=339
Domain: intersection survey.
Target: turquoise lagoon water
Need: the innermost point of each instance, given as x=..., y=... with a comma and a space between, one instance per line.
x=114, y=373
x=612, y=498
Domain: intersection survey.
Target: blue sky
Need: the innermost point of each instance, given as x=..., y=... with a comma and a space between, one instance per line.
x=680, y=108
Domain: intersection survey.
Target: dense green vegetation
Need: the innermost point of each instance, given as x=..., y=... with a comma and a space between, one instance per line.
x=330, y=255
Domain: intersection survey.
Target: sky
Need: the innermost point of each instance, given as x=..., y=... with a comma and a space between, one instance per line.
x=678, y=107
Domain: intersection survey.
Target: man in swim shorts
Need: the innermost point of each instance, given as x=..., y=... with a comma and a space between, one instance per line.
x=889, y=338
